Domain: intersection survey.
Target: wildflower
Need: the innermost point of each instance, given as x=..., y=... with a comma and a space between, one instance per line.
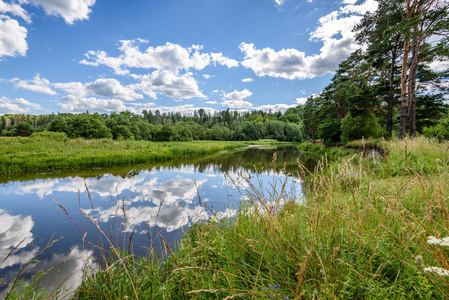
x=286, y=297
x=352, y=260
x=419, y=261
x=431, y=240
x=436, y=270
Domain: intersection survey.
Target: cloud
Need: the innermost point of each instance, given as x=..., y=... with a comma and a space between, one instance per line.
x=334, y=31
x=247, y=80
x=236, y=104
x=301, y=101
x=171, y=57
x=38, y=85
x=186, y=109
x=168, y=216
x=275, y=107
x=279, y=2
x=14, y=229
x=207, y=76
x=222, y=60
x=235, y=99
x=69, y=10
x=76, y=89
x=287, y=63
x=80, y=105
x=12, y=38
x=16, y=106
x=439, y=65
x=184, y=86
x=237, y=95
x=111, y=88
x=16, y=10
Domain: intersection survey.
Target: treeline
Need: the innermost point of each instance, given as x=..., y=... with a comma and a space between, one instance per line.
x=389, y=88
x=223, y=125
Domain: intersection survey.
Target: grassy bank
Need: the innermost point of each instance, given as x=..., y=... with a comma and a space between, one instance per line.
x=364, y=232
x=20, y=155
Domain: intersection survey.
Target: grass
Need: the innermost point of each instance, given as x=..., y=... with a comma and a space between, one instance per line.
x=24, y=155
x=362, y=233
x=332, y=153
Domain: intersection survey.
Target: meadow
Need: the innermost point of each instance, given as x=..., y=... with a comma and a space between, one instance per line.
x=367, y=228
x=50, y=151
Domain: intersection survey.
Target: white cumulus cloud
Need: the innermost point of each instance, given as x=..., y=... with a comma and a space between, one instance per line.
x=69, y=10
x=236, y=104
x=301, y=100
x=334, y=31
x=184, y=86
x=237, y=95
x=112, y=88
x=16, y=106
x=275, y=107
x=15, y=9
x=12, y=38
x=439, y=65
x=172, y=57
x=247, y=80
x=38, y=85
x=80, y=105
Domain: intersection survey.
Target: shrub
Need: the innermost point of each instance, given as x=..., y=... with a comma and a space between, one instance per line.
x=362, y=126
x=49, y=135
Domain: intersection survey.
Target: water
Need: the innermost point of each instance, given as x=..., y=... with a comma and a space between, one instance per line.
x=156, y=201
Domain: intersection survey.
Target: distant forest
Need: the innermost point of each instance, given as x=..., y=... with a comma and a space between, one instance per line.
x=223, y=125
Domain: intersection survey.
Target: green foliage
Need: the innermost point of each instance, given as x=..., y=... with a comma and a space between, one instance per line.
x=49, y=136
x=52, y=151
x=125, y=277
x=330, y=131
x=361, y=126
x=23, y=129
x=439, y=131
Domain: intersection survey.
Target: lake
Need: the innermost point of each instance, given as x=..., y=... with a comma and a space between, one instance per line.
x=133, y=206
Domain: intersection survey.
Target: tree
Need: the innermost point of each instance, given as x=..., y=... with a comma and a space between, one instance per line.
x=311, y=117
x=23, y=129
x=384, y=50
x=424, y=19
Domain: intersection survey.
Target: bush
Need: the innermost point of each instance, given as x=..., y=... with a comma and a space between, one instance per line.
x=49, y=135
x=362, y=126
x=330, y=131
x=23, y=129
x=440, y=131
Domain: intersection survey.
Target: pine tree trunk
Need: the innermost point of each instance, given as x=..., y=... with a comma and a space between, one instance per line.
x=412, y=85
x=391, y=95
x=404, y=102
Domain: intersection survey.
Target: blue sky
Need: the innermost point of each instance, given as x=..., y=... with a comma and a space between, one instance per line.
x=171, y=55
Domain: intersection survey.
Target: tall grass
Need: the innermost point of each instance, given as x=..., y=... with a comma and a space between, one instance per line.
x=362, y=232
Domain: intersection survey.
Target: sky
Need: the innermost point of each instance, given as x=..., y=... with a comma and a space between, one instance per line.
x=170, y=55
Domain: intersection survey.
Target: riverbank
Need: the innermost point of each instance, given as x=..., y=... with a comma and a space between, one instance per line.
x=37, y=154
x=365, y=232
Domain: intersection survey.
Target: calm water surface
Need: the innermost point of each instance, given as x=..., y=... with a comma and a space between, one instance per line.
x=156, y=200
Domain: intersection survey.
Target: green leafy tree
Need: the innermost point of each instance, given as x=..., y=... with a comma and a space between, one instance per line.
x=361, y=126
x=23, y=129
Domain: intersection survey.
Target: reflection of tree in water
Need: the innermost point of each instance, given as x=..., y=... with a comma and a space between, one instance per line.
x=257, y=159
